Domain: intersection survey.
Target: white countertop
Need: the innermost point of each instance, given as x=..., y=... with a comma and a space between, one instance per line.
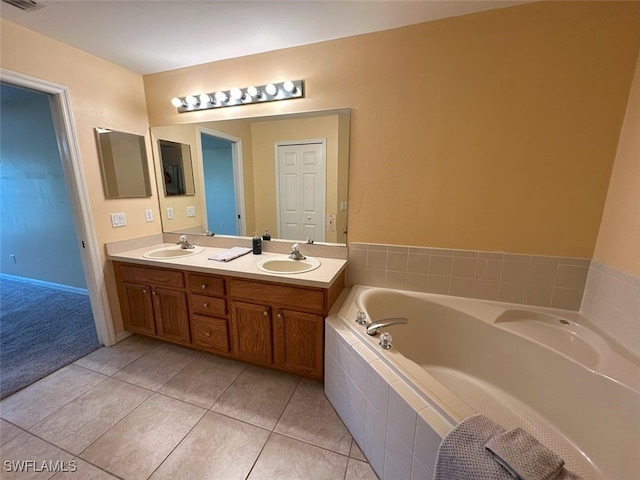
x=243, y=267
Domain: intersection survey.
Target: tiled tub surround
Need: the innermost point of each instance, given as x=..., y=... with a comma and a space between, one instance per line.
x=544, y=281
x=398, y=411
x=612, y=302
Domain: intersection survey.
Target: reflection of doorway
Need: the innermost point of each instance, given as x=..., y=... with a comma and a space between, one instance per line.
x=301, y=189
x=223, y=186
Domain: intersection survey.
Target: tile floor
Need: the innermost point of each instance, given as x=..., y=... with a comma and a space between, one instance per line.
x=146, y=409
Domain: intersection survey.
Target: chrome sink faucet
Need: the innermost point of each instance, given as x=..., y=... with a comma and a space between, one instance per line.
x=373, y=328
x=295, y=253
x=184, y=243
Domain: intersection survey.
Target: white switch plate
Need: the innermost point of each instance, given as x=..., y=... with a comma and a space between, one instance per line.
x=331, y=221
x=343, y=206
x=191, y=211
x=148, y=214
x=169, y=213
x=118, y=220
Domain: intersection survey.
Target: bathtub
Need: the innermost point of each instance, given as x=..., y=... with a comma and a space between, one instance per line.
x=548, y=371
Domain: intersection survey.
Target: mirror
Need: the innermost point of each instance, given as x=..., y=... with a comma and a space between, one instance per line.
x=176, y=168
x=123, y=162
x=285, y=173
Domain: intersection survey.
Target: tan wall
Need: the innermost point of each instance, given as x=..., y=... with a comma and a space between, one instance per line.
x=619, y=238
x=102, y=95
x=492, y=131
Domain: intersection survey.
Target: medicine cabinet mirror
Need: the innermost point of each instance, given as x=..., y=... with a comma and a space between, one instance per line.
x=177, y=171
x=124, y=165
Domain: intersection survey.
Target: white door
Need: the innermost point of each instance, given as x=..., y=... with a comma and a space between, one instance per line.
x=301, y=191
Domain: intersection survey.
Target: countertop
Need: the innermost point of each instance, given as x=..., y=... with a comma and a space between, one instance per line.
x=242, y=267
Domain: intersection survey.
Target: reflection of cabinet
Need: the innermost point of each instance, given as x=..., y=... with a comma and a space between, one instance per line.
x=270, y=324
x=154, y=302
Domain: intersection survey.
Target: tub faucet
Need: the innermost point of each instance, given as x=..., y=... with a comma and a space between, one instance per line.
x=373, y=328
x=295, y=253
x=184, y=243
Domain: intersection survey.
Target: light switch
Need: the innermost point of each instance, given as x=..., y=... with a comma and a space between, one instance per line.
x=343, y=206
x=148, y=214
x=191, y=211
x=169, y=213
x=118, y=220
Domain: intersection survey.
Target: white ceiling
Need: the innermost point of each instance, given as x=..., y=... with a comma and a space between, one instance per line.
x=149, y=36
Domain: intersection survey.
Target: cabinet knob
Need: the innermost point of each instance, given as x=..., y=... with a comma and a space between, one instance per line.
x=204, y=286
x=144, y=291
x=279, y=315
x=266, y=314
x=208, y=334
x=206, y=305
x=153, y=292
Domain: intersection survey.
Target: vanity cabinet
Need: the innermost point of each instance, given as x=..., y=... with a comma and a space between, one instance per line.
x=266, y=323
x=153, y=302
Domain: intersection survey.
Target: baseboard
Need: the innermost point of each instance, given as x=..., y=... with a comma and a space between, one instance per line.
x=122, y=335
x=43, y=283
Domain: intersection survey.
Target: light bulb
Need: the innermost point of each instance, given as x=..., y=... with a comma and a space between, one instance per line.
x=221, y=97
x=253, y=92
x=271, y=89
x=236, y=93
x=205, y=99
x=289, y=86
x=192, y=100
x=177, y=102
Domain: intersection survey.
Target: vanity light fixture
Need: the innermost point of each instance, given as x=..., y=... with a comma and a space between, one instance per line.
x=240, y=96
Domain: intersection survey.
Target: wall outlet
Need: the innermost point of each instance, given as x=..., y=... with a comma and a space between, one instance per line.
x=148, y=214
x=169, y=213
x=331, y=222
x=191, y=211
x=118, y=220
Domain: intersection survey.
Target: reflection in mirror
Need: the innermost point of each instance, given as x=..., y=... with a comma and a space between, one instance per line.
x=287, y=174
x=124, y=165
x=176, y=168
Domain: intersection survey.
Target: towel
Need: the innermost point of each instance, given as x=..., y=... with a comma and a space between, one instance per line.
x=230, y=254
x=480, y=449
x=525, y=458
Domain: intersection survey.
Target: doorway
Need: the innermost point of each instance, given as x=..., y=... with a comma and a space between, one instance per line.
x=222, y=182
x=44, y=258
x=301, y=173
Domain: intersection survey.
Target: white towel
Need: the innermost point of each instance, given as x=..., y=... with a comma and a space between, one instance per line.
x=230, y=254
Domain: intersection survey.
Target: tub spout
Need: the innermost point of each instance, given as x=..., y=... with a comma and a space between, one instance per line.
x=373, y=328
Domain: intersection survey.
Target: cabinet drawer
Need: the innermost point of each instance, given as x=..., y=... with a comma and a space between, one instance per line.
x=208, y=305
x=205, y=284
x=154, y=276
x=210, y=333
x=281, y=295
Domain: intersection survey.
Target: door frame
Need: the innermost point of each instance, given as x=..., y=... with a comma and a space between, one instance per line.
x=60, y=101
x=238, y=175
x=284, y=143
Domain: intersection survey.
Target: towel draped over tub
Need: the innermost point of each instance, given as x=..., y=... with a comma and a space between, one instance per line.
x=478, y=448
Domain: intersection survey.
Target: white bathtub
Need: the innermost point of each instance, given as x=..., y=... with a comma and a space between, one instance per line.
x=547, y=371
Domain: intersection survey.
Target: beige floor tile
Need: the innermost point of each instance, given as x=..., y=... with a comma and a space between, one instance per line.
x=137, y=445
x=203, y=380
x=27, y=457
x=218, y=447
x=157, y=367
x=258, y=396
x=83, y=471
x=357, y=470
x=108, y=360
x=356, y=452
x=310, y=417
x=285, y=458
x=8, y=431
x=81, y=422
x=40, y=399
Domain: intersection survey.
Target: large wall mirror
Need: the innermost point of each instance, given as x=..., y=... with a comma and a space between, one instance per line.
x=124, y=165
x=286, y=173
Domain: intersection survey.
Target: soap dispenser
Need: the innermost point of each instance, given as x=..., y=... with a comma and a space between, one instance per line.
x=257, y=244
x=266, y=236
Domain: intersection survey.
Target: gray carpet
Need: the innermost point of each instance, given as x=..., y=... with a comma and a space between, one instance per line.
x=41, y=330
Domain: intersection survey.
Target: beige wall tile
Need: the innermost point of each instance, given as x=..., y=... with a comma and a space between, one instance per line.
x=538, y=295
x=440, y=265
x=464, y=267
x=438, y=284
x=514, y=271
x=571, y=276
x=485, y=289
x=461, y=287
x=511, y=292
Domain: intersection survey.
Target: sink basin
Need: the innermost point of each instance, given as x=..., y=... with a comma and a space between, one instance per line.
x=174, y=251
x=286, y=265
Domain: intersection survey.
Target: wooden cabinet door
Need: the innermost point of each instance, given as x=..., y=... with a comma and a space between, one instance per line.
x=299, y=342
x=137, y=308
x=252, y=332
x=172, y=314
